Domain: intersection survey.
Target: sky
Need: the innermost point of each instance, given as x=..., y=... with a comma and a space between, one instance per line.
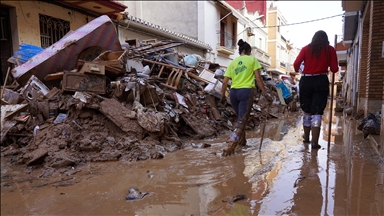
x=299, y=11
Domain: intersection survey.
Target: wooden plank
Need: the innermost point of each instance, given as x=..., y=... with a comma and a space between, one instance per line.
x=55, y=76
x=166, y=65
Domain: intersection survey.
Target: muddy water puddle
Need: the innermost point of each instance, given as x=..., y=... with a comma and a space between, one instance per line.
x=282, y=177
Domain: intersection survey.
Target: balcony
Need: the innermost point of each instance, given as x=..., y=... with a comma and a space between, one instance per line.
x=263, y=57
x=350, y=24
x=349, y=6
x=95, y=7
x=227, y=43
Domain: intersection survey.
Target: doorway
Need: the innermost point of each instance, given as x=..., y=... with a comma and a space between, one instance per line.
x=5, y=42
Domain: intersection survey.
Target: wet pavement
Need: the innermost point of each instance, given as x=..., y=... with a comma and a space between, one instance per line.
x=282, y=177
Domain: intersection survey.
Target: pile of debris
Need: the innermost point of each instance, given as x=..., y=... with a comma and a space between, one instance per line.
x=128, y=103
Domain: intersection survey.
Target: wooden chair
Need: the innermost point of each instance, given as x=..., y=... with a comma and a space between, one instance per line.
x=173, y=79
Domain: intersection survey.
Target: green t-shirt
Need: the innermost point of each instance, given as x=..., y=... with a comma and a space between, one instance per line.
x=241, y=71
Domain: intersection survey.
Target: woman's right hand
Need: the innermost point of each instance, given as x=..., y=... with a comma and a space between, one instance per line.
x=223, y=100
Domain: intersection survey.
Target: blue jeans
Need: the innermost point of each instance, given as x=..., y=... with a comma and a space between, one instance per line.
x=240, y=101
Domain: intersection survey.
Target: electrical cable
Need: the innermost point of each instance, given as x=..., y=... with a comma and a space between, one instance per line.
x=294, y=23
x=302, y=22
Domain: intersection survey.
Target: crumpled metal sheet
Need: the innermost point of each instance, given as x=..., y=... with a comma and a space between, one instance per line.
x=63, y=54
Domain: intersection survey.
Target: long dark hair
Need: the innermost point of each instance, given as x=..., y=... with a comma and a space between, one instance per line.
x=244, y=46
x=319, y=42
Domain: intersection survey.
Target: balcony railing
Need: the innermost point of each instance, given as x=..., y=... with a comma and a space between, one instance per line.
x=227, y=40
x=261, y=55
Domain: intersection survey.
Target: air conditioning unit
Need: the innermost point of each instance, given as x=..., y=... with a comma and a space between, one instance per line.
x=250, y=31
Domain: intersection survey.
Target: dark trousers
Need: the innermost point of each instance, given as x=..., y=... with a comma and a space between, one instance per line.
x=241, y=101
x=314, y=91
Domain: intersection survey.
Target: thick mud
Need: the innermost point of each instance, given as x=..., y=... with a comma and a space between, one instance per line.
x=283, y=176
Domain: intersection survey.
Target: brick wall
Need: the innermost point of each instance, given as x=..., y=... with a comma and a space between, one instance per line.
x=382, y=126
x=375, y=67
x=364, y=60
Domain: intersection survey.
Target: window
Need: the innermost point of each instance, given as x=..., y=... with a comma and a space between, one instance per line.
x=52, y=30
x=228, y=31
x=222, y=33
x=278, y=24
x=234, y=33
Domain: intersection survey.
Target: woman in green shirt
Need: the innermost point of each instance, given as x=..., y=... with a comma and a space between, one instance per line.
x=242, y=71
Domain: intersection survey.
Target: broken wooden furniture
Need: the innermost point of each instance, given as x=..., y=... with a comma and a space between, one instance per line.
x=173, y=77
x=114, y=62
x=74, y=81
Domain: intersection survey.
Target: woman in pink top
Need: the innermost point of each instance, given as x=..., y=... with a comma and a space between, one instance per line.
x=317, y=56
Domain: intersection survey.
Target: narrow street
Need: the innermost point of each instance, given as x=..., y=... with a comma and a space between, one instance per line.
x=283, y=177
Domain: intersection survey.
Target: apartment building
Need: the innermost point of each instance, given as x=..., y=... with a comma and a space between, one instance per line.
x=364, y=75
x=280, y=48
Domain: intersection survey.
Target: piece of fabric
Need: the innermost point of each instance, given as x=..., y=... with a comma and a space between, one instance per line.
x=239, y=101
x=307, y=119
x=241, y=71
x=314, y=91
x=328, y=58
x=316, y=121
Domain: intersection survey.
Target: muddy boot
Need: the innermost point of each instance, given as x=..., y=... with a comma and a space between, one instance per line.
x=307, y=131
x=230, y=149
x=315, y=137
x=232, y=142
x=243, y=140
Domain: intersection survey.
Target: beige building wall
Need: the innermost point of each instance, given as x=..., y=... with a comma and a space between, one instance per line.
x=25, y=20
x=271, y=21
x=272, y=52
x=279, y=49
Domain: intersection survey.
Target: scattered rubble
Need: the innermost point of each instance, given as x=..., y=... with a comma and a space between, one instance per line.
x=135, y=194
x=123, y=104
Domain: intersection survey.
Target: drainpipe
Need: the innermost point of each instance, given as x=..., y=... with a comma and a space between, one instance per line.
x=358, y=60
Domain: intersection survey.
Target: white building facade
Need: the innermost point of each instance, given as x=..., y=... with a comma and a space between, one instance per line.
x=214, y=23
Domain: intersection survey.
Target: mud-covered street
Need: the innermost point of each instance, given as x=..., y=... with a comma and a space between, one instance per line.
x=191, y=108
x=283, y=177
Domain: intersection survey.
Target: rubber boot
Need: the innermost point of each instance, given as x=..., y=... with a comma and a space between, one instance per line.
x=232, y=142
x=315, y=137
x=307, y=131
x=243, y=140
